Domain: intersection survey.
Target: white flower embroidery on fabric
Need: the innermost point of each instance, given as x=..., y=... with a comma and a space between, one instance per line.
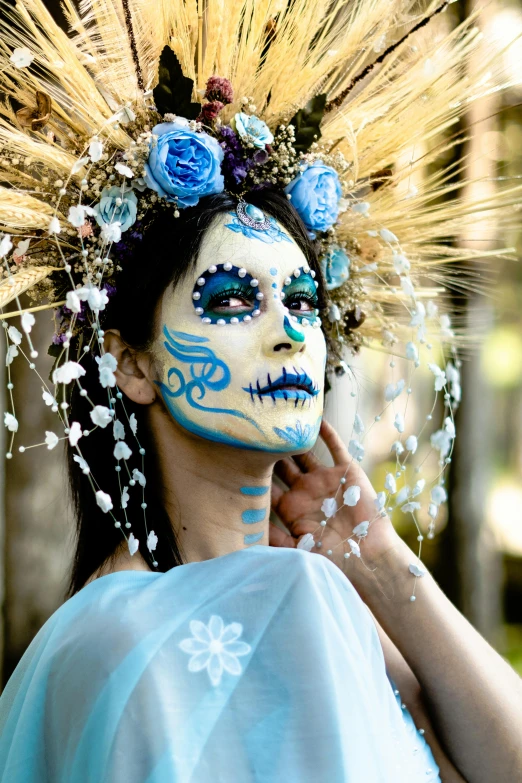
x=215, y=648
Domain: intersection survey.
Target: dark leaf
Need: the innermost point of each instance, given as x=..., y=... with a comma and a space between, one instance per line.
x=173, y=93
x=307, y=121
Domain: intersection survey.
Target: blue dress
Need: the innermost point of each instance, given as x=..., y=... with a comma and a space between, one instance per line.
x=260, y=666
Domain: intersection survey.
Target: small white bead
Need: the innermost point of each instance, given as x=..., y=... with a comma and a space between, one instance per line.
x=242, y=272
x=199, y=310
x=21, y=449
x=196, y=295
x=154, y=563
x=288, y=280
x=346, y=555
x=260, y=295
x=86, y=471
x=297, y=273
x=227, y=267
x=10, y=386
x=312, y=273
x=200, y=281
x=396, y=692
x=255, y=313
x=420, y=538
x=323, y=523
x=117, y=524
x=34, y=354
x=429, y=417
x=83, y=393
x=54, y=408
x=221, y=322
x=64, y=406
x=32, y=366
x=234, y=320
x=66, y=344
x=86, y=433
x=8, y=455
x=377, y=418
x=247, y=318
x=342, y=480
x=421, y=731
x=412, y=598
x=144, y=505
x=319, y=544
x=117, y=468
x=132, y=483
x=66, y=430
x=212, y=269
x=127, y=524
x=254, y=282
x=206, y=320
x=392, y=363
x=329, y=552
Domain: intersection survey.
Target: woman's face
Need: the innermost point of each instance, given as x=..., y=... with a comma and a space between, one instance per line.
x=240, y=349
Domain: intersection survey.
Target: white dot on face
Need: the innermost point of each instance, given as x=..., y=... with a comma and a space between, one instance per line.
x=242, y=272
x=306, y=269
x=256, y=313
x=206, y=320
x=254, y=282
x=199, y=310
x=201, y=281
x=212, y=269
x=227, y=267
x=312, y=273
x=196, y=295
x=260, y=295
x=297, y=273
x=221, y=322
x=234, y=320
x=288, y=280
x=247, y=318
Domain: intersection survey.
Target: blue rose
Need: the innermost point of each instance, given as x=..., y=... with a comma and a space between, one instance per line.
x=115, y=206
x=253, y=130
x=184, y=165
x=315, y=195
x=335, y=266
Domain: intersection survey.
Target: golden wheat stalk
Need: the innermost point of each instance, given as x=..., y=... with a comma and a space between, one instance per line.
x=18, y=284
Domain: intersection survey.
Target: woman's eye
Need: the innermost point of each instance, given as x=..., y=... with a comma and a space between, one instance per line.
x=301, y=304
x=228, y=302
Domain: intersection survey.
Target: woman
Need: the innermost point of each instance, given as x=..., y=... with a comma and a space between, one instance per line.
x=188, y=247
x=242, y=665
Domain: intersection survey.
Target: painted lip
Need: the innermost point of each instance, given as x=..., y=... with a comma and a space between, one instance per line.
x=293, y=385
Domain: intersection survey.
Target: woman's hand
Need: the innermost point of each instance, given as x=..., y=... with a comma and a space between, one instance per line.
x=309, y=484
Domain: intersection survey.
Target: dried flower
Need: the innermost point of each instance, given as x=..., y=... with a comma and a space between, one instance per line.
x=219, y=89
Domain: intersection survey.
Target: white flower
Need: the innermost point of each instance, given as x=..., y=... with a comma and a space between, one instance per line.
x=152, y=541
x=215, y=648
x=125, y=497
x=358, y=425
x=453, y=376
x=416, y=571
x=411, y=443
x=440, y=376
x=77, y=214
x=388, y=236
x=401, y=263
x=70, y=371
x=380, y=500
x=101, y=416
x=433, y=510
x=431, y=309
x=133, y=544
x=356, y=450
x=11, y=353
x=5, y=245
x=352, y=496
x=22, y=57
x=72, y=302
x=397, y=448
x=329, y=507
x=362, y=208
x=354, y=546
x=104, y=501
x=139, y=477
x=95, y=298
x=389, y=483
x=402, y=495
x=412, y=352
x=75, y=433
x=407, y=286
x=106, y=366
x=445, y=324
x=28, y=321
x=334, y=314
x=438, y=495
x=111, y=232
x=83, y=466
x=133, y=424
x=14, y=335
x=124, y=170
x=361, y=529
x=48, y=399
x=398, y=422
x=306, y=542
x=121, y=450
x=417, y=319
x=118, y=430
x=392, y=391
x=21, y=248
x=79, y=164
x=418, y=488
x=125, y=115
x=10, y=422
x=51, y=440
x=409, y=508
x=95, y=150
x=449, y=427
x=442, y=439
x=54, y=226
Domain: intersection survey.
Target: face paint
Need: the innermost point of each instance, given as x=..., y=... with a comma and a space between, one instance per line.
x=253, y=515
x=240, y=352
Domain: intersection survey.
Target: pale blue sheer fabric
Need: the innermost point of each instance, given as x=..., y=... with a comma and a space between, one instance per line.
x=260, y=666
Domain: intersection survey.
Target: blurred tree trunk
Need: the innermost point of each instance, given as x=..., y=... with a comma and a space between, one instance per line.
x=475, y=556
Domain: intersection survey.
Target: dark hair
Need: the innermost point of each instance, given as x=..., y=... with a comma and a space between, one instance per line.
x=168, y=249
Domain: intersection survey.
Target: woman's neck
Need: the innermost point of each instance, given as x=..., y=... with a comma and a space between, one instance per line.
x=217, y=497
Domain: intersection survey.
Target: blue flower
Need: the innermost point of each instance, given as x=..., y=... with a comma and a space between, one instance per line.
x=335, y=266
x=253, y=130
x=184, y=165
x=116, y=207
x=315, y=195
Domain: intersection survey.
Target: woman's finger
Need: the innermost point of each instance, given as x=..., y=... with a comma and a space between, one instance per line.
x=278, y=537
x=308, y=462
x=287, y=471
x=277, y=494
x=334, y=444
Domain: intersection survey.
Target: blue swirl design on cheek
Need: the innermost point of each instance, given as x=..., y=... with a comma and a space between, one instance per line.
x=207, y=373
x=293, y=334
x=300, y=437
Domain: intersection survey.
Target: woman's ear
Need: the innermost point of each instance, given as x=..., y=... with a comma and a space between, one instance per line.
x=133, y=371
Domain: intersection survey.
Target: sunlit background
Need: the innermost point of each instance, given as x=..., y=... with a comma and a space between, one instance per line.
x=477, y=554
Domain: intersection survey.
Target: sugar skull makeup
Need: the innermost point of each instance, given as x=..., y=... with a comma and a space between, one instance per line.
x=241, y=351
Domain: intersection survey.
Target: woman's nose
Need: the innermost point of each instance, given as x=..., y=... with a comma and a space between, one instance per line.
x=283, y=334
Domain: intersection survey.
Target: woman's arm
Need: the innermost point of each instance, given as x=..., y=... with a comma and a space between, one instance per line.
x=412, y=697
x=473, y=696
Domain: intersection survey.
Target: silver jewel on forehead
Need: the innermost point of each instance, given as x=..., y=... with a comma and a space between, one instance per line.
x=252, y=216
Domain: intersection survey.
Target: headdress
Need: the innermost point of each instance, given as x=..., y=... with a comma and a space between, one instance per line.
x=152, y=104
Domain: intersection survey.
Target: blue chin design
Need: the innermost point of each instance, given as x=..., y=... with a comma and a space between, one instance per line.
x=300, y=437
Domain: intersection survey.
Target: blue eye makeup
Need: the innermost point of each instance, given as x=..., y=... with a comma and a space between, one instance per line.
x=300, y=295
x=226, y=294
